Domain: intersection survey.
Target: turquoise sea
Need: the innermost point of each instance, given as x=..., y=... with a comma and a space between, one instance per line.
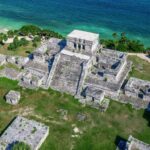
x=102, y=16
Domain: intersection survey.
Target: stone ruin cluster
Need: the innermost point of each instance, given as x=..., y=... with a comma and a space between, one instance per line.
x=79, y=66
x=138, y=88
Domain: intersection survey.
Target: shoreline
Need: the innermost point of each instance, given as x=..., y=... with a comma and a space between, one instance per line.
x=103, y=35
x=4, y=30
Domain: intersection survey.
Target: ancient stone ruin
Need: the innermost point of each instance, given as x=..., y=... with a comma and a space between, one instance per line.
x=138, y=89
x=23, y=130
x=12, y=97
x=75, y=64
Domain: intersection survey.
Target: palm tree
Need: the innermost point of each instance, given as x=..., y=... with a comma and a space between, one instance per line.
x=115, y=36
x=123, y=38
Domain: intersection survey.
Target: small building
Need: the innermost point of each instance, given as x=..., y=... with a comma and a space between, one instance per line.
x=93, y=97
x=138, y=89
x=83, y=42
x=31, y=80
x=13, y=97
x=21, y=129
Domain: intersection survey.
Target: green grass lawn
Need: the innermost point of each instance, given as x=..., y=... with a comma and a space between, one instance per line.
x=99, y=130
x=21, y=51
x=141, y=68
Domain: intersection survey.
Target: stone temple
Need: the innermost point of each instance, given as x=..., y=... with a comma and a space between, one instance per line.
x=78, y=65
x=82, y=64
x=72, y=63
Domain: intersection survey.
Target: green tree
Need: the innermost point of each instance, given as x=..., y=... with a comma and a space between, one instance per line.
x=10, y=33
x=135, y=46
x=29, y=29
x=11, y=46
x=23, y=42
x=3, y=37
x=123, y=38
x=115, y=36
x=37, y=39
x=122, y=47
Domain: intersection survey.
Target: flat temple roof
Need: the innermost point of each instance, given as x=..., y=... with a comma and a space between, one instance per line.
x=89, y=36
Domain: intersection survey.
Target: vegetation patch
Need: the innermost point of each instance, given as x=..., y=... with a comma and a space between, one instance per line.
x=21, y=45
x=141, y=68
x=123, y=43
x=119, y=120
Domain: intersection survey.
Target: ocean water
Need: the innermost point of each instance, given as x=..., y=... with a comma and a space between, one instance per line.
x=102, y=16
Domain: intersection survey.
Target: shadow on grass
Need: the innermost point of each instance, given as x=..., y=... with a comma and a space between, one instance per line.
x=120, y=143
x=146, y=114
x=7, y=126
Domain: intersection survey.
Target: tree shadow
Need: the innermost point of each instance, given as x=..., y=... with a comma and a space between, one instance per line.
x=120, y=143
x=27, y=52
x=146, y=114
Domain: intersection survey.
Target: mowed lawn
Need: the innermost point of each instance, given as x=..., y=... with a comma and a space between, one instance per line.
x=98, y=132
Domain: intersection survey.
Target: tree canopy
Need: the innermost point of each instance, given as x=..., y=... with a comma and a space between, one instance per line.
x=34, y=30
x=122, y=43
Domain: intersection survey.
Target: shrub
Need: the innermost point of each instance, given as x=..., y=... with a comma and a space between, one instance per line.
x=11, y=46
x=34, y=44
x=24, y=42
x=21, y=146
x=3, y=37
x=37, y=39
x=10, y=33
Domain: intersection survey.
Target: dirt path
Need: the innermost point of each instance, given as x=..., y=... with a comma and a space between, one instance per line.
x=140, y=55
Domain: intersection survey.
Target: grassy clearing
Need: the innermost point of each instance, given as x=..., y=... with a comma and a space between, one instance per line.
x=141, y=68
x=99, y=129
x=21, y=51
